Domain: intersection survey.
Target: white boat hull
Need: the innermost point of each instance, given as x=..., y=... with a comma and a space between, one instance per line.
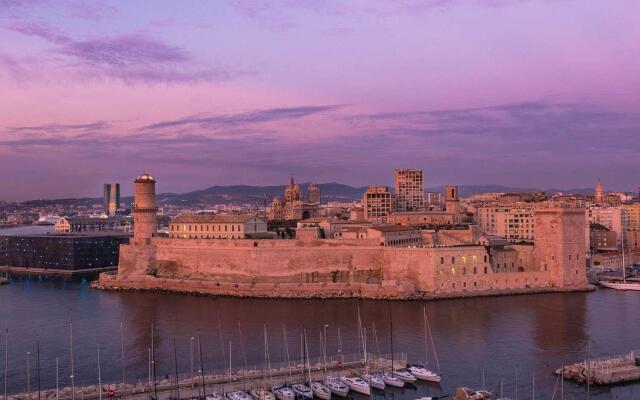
x=621, y=285
x=337, y=387
x=359, y=387
x=391, y=380
x=424, y=374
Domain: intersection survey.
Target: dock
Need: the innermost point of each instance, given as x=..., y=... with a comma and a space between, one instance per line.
x=604, y=371
x=221, y=381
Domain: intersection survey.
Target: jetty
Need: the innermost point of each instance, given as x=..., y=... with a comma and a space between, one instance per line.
x=191, y=386
x=604, y=371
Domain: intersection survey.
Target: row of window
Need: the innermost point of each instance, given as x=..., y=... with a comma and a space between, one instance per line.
x=464, y=259
x=464, y=270
x=205, y=228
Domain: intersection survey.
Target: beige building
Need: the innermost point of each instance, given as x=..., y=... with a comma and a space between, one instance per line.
x=613, y=218
x=409, y=186
x=220, y=226
x=419, y=218
x=395, y=236
x=515, y=224
x=376, y=203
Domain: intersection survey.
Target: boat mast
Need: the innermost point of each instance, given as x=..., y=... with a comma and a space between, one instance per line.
x=204, y=392
x=302, y=355
x=266, y=349
x=99, y=374
x=244, y=356
x=175, y=363
x=391, y=334
x=364, y=345
x=286, y=351
x=73, y=382
x=375, y=335
x=153, y=364
x=6, y=360
x=340, y=349
x=306, y=352
x=230, y=364
x=122, y=366
x=38, y=365
x=433, y=346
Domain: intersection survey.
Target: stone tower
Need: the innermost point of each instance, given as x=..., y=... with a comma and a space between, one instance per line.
x=144, y=209
x=313, y=193
x=451, y=200
x=560, y=246
x=599, y=193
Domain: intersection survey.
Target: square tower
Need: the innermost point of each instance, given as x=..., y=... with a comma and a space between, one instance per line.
x=560, y=247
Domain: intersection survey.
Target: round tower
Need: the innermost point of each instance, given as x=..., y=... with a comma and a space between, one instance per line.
x=144, y=209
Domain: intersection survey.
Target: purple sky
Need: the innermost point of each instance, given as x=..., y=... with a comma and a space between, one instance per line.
x=542, y=93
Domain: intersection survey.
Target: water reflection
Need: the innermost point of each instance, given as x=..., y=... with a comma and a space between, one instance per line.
x=534, y=334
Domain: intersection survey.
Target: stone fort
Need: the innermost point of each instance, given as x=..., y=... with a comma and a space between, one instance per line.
x=310, y=266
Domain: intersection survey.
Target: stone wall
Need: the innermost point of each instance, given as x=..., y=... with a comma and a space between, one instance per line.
x=323, y=268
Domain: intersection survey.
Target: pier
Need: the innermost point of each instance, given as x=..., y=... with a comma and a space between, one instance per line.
x=604, y=371
x=191, y=386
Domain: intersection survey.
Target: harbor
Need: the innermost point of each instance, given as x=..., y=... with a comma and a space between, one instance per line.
x=189, y=386
x=510, y=338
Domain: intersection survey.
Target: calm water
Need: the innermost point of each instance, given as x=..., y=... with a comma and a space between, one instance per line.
x=534, y=333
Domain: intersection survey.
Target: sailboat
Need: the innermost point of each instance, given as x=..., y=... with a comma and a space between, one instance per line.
x=319, y=389
x=624, y=285
x=261, y=393
x=418, y=370
x=302, y=390
x=284, y=392
x=236, y=394
x=374, y=381
x=334, y=383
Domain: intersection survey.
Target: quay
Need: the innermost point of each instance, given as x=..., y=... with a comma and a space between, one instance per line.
x=68, y=273
x=220, y=381
x=604, y=371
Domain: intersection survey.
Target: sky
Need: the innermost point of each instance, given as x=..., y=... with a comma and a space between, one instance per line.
x=527, y=93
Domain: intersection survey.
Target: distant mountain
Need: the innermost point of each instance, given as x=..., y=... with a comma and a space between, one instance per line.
x=245, y=194
x=256, y=194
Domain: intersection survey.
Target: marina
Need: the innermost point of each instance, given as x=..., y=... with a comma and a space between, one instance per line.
x=510, y=338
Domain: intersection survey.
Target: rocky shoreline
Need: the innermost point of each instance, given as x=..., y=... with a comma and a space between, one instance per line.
x=198, y=289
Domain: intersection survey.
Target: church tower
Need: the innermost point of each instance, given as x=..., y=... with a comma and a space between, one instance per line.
x=145, y=223
x=599, y=193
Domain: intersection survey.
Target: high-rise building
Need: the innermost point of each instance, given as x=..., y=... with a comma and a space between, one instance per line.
x=409, y=190
x=376, y=203
x=111, y=198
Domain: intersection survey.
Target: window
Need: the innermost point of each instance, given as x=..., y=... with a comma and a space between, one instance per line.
x=485, y=270
x=441, y=260
x=485, y=258
x=453, y=270
x=453, y=260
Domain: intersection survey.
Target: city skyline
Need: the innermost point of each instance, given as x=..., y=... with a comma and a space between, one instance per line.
x=532, y=93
